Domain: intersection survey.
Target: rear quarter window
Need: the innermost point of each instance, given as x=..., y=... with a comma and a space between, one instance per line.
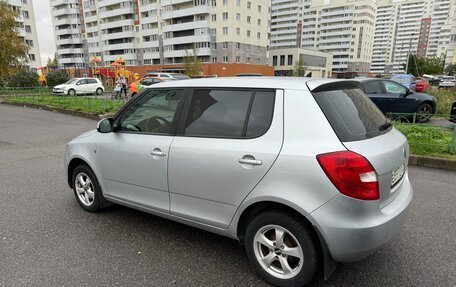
x=352, y=115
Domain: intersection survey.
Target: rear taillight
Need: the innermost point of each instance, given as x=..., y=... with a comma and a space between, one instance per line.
x=351, y=174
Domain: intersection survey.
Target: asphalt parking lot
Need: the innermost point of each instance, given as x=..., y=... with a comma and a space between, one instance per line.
x=46, y=239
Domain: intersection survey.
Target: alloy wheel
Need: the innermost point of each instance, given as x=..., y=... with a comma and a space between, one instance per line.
x=84, y=189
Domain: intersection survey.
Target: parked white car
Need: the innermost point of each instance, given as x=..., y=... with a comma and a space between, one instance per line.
x=168, y=76
x=80, y=86
x=447, y=82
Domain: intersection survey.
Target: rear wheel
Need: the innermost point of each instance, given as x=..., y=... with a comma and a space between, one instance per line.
x=99, y=91
x=282, y=249
x=424, y=112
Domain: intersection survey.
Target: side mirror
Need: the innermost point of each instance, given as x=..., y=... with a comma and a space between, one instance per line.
x=105, y=126
x=407, y=92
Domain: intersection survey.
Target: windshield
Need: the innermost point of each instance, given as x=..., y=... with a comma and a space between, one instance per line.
x=71, y=81
x=402, y=80
x=179, y=76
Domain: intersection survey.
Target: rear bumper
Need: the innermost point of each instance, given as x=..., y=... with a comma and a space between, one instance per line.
x=354, y=229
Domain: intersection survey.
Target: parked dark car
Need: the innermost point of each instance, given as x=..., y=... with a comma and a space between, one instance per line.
x=453, y=113
x=393, y=98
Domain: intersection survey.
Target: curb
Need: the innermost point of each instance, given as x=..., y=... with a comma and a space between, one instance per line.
x=55, y=109
x=417, y=160
x=433, y=162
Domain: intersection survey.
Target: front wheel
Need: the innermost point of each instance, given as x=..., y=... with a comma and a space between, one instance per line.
x=71, y=93
x=282, y=249
x=87, y=189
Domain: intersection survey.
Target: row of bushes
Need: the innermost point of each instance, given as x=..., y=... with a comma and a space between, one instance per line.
x=25, y=79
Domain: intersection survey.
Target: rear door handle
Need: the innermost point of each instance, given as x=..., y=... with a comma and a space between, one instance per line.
x=250, y=161
x=157, y=152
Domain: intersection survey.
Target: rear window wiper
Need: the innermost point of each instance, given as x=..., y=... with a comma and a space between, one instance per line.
x=385, y=126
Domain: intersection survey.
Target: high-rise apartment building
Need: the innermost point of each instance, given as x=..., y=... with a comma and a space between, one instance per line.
x=27, y=29
x=420, y=27
x=344, y=28
x=144, y=32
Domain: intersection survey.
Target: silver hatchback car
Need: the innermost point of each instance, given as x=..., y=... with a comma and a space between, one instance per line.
x=302, y=172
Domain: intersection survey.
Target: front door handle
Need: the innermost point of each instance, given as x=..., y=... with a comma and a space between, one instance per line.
x=250, y=161
x=157, y=152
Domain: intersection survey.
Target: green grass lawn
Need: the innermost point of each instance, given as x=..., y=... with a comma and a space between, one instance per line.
x=429, y=140
x=445, y=98
x=95, y=106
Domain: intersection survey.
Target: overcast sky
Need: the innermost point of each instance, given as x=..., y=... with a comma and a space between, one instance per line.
x=44, y=29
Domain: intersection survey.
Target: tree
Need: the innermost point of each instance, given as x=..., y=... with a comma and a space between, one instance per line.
x=299, y=68
x=192, y=64
x=13, y=55
x=24, y=79
x=451, y=70
x=425, y=65
x=53, y=62
x=56, y=78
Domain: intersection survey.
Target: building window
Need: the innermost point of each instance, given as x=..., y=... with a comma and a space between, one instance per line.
x=257, y=61
x=225, y=30
x=259, y=8
x=24, y=1
x=214, y=46
x=214, y=17
x=25, y=14
x=147, y=61
x=249, y=4
x=258, y=35
x=225, y=59
x=28, y=29
x=238, y=59
x=238, y=31
x=29, y=43
x=282, y=60
x=248, y=33
x=32, y=57
x=259, y=22
x=213, y=3
x=225, y=2
x=238, y=45
x=225, y=16
x=238, y=16
x=213, y=32
x=214, y=59
x=238, y=2
x=248, y=19
x=290, y=60
x=225, y=45
x=274, y=61
x=248, y=60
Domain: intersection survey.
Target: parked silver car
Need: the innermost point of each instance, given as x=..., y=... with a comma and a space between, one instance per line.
x=302, y=172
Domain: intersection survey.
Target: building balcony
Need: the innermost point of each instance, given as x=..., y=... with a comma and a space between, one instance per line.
x=148, y=20
x=104, y=3
x=183, y=53
x=56, y=3
x=77, y=60
x=186, y=26
x=120, y=46
x=119, y=23
x=89, y=19
x=69, y=41
x=203, y=9
x=148, y=7
x=70, y=51
x=150, y=44
x=187, y=39
x=64, y=11
x=67, y=21
x=119, y=35
x=116, y=12
x=154, y=55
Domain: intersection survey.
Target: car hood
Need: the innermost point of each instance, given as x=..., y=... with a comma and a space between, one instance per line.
x=421, y=96
x=85, y=137
x=60, y=86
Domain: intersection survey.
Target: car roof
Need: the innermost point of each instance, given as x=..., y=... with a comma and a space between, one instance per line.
x=290, y=83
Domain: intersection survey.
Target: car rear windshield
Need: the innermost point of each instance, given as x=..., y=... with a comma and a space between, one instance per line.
x=352, y=114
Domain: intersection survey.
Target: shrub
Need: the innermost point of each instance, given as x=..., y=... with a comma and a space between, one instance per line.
x=24, y=79
x=56, y=78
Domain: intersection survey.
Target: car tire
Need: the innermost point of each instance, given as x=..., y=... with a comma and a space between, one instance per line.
x=71, y=93
x=272, y=258
x=99, y=91
x=86, y=189
x=133, y=95
x=424, y=113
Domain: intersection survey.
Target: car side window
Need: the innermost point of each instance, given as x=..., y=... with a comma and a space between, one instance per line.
x=393, y=88
x=261, y=113
x=81, y=82
x=372, y=87
x=153, y=113
x=92, y=81
x=218, y=113
x=146, y=82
